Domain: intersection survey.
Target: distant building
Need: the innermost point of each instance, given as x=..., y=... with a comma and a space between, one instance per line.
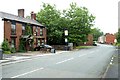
x=107, y=39
x=101, y=39
x=13, y=27
x=90, y=40
x=110, y=38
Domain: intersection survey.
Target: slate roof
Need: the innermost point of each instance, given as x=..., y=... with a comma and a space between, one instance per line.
x=4, y=15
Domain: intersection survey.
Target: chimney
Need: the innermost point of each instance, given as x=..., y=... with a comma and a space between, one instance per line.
x=21, y=12
x=33, y=15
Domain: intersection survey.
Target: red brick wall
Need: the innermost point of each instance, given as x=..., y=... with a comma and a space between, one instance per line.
x=90, y=39
x=7, y=30
x=44, y=34
x=110, y=38
x=18, y=34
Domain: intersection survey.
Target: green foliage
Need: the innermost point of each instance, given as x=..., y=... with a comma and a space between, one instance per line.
x=50, y=17
x=12, y=50
x=7, y=52
x=84, y=47
x=96, y=33
x=76, y=19
x=118, y=36
x=5, y=46
x=28, y=30
x=79, y=24
x=22, y=45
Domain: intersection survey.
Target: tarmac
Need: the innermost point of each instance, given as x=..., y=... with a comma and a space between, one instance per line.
x=24, y=56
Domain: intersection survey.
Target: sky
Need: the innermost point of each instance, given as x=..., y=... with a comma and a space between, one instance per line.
x=106, y=11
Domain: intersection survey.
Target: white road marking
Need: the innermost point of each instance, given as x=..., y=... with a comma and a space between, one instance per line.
x=64, y=60
x=111, y=63
x=27, y=73
x=112, y=57
x=82, y=55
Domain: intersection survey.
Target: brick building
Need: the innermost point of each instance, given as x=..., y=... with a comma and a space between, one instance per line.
x=110, y=38
x=13, y=28
x=89, y=41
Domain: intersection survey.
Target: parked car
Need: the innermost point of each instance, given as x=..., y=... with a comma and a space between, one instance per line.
x=43, y=46
x=94, y=43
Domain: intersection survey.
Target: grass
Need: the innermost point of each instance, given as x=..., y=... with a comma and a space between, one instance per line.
x=84, y=47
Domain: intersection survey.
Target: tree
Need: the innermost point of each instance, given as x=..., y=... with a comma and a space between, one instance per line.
x=79, y=24
x=50, y=17
x=77, y=20
x=96, y=32
x=118, y=36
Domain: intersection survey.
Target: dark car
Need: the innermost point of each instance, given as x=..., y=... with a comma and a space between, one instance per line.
x=43, y=46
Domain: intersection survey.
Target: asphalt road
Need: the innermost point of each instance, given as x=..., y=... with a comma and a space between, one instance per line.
x=85, y=63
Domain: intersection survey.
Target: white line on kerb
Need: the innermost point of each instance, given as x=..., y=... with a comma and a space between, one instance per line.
x=27, y=72
x=64, y=60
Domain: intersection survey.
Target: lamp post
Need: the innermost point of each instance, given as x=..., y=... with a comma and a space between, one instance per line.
x=66, y=34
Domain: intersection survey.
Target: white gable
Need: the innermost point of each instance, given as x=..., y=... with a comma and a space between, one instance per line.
x=1, y=31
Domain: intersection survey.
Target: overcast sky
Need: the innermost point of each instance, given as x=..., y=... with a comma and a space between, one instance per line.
x=106, y=11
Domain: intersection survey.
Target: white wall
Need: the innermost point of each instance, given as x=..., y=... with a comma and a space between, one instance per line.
x=1, y=31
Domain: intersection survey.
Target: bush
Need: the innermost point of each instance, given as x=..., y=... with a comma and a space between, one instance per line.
x=5, y=46
x=12, y=50
x=22, y=45
x=6, y=52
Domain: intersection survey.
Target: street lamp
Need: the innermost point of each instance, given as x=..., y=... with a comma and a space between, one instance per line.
x=66, y=34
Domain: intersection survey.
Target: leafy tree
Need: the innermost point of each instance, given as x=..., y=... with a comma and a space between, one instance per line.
x=79, y=23
x=50, y=17
x=96, y=33
x=77, y=20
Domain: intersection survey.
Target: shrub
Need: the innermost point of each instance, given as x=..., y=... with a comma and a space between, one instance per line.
x=12, y=50
x=6, y=52
x=22, y=45
x=5, y=46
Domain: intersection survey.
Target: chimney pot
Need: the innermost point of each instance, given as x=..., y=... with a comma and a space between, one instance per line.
x=33, y=15
x=21, y=12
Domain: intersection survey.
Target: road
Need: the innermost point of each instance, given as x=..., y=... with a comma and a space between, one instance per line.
x=85, y=63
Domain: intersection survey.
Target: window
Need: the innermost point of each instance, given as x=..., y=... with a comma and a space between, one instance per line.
x=13, y=28
x=41, y=32
x=38, y=42
x=42, y=42
x=36, y=31
x=23, y=29
x=13, y=42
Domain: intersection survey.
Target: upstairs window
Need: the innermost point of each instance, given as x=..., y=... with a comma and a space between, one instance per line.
x=13, y=28
x=41, y=32
x=36, y=31
x=23, y=29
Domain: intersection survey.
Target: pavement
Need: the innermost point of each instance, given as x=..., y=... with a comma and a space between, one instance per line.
x=23, y=56
x=113, y=67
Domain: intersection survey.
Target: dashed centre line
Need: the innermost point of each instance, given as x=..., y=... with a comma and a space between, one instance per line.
x=27, y=73
x=64, y=60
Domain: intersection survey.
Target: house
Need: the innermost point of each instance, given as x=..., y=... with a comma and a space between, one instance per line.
x=89, y=40
x=110, y=38
x=107, y=39
x=101, y=39
x=13, y=28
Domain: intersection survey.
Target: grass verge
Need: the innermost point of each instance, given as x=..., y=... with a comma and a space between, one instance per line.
x=84, y=47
